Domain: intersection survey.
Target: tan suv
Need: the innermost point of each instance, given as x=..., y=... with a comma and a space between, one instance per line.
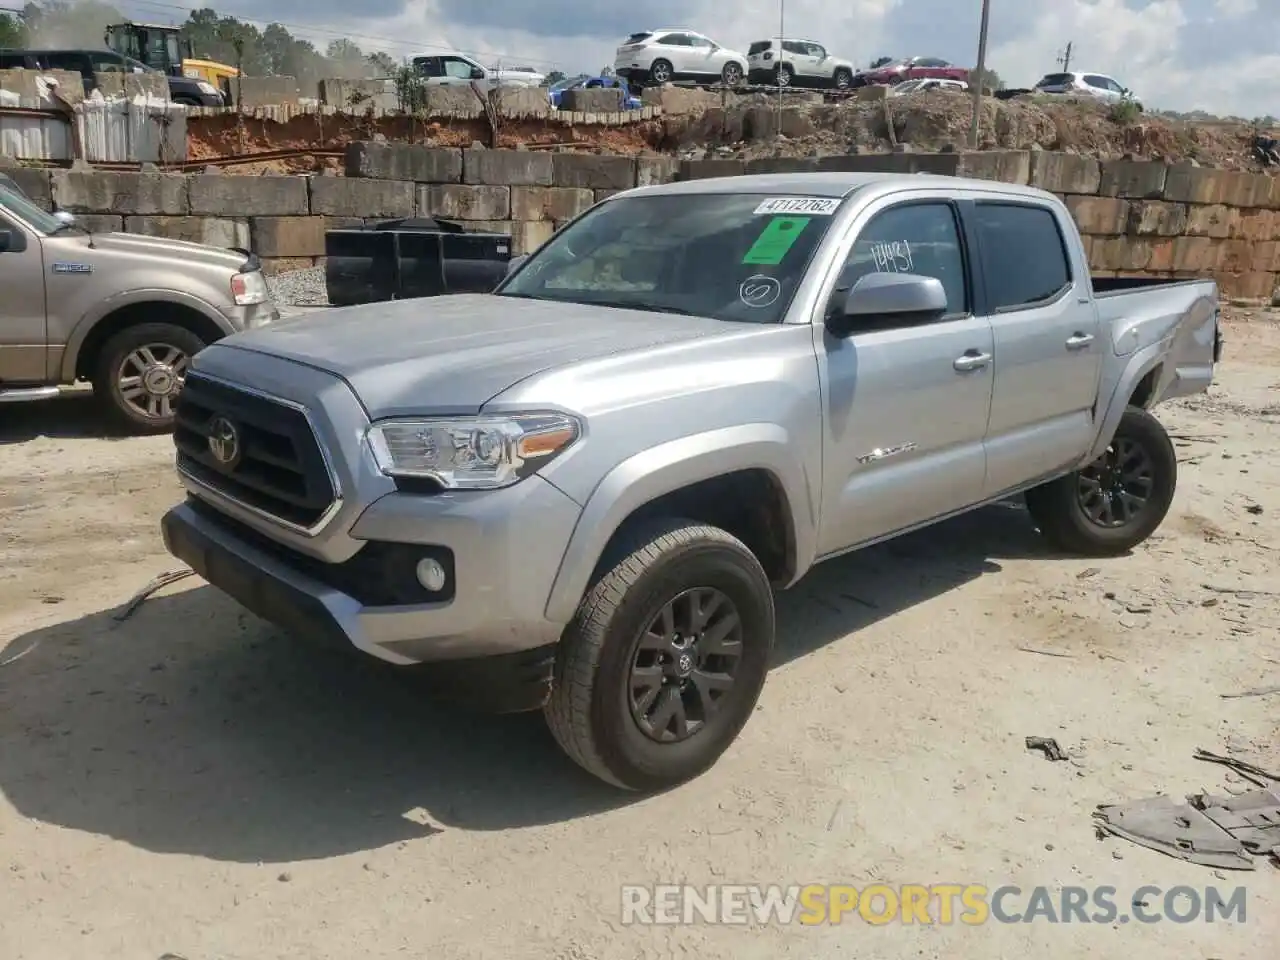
x=124, y=311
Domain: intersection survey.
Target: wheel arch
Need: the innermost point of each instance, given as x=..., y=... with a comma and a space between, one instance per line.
x=1138, y=380
x=743, y=479
x=143, y=306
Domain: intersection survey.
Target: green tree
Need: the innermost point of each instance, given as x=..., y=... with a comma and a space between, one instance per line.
x=989, y=78
x=344, y=50
x=382, y=64
x=13, y=32
x=59, y=23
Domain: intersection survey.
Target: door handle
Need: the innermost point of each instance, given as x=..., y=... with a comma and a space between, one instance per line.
x=1079, y=341
x=971, y=361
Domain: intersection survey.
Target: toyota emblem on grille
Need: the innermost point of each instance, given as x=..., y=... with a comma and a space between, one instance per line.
x=224, y=442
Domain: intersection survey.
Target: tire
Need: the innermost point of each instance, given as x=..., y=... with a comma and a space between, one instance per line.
x=896, y=79
x=594, y=712
x=125, y=356
x=1061, y=508
x=731, y=75
x=660, y=72
x=842, y=79
x=784, y=75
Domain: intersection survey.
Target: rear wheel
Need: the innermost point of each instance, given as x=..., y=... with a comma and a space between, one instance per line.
x=784, y=75
x=1116, y=502
x=731, y=75
x=660, y=72
x=665, y=659
x=140, y=372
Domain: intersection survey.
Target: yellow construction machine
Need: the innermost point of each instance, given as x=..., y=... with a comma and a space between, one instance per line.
x=163, y=48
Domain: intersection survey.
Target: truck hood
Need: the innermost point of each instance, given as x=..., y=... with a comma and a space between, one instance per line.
x=136, y=244
x=451, y=354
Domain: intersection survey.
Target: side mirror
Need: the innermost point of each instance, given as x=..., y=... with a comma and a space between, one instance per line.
x=477, y=73
x=895, y=299
x=514, y=263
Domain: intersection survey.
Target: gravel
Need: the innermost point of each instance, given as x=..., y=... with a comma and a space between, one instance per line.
x=299, y=288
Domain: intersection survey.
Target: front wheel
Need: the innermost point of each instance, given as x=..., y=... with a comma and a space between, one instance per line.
x=140, y=372
x=665, y=659
x=843, y=79
x=1115, y=503
x=731, y=75
x=784, y=75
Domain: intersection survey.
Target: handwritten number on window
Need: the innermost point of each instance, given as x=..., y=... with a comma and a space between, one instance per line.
x=892, y=256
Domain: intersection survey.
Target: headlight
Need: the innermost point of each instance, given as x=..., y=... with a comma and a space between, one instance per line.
x=249, y=288
x=208, y=88
x=471, y=453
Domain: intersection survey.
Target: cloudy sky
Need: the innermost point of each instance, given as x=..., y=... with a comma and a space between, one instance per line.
x=1217, y=55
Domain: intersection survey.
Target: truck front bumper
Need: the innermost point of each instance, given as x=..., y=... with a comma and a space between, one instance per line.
x=503, y=550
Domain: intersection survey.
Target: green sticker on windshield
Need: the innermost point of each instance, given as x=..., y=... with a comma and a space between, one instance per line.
x=775, y=240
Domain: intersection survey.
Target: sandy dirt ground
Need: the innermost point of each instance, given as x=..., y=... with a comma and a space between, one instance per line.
x=190, y=782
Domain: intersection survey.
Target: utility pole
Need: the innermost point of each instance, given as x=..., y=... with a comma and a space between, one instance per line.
x=981, y=75
x=1065, y=59
x=782, y=26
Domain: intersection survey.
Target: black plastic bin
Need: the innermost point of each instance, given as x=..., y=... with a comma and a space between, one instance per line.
x=417, y=257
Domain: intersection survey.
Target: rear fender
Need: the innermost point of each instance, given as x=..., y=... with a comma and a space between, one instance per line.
x=672, y=466
x=1131, y=374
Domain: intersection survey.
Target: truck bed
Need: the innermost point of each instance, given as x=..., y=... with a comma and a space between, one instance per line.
x=1113, y=286
x=1139, y=312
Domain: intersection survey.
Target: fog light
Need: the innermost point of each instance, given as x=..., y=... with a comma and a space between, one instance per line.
x=431, y=574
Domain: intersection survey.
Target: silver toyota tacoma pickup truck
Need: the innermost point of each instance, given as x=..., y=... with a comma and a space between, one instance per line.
x=579, y=493
x=124, y=311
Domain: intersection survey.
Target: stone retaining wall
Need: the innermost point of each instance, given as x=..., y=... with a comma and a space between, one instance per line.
x=1137, y=218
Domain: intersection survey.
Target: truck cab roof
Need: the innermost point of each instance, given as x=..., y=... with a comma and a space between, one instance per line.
x=834, y=184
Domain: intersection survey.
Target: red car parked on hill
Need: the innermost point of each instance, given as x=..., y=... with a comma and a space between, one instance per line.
x=913, y=68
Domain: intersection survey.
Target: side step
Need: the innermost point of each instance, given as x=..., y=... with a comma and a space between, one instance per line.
x=25, y=394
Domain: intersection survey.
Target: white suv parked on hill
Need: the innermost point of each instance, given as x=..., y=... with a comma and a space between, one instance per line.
x=658, y=56
x=801, y=63
x=1077, y=83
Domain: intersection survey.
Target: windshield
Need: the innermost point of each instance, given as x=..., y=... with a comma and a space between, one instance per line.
x=26, y=211
x=728, y=256
x=566, y=83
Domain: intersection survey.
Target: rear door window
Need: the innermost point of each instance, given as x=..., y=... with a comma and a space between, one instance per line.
x=1024, y=256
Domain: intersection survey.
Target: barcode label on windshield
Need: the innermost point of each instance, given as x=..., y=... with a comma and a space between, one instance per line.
x=813, y=206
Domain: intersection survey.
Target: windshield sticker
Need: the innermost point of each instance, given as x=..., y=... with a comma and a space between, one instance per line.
x=775, y=240
x=759, y=291
x=814, y=206
x=893, y=256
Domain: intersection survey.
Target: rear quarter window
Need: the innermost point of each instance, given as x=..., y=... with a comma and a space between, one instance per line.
x=1024, y=255
x=760, y=46
x=637, y=37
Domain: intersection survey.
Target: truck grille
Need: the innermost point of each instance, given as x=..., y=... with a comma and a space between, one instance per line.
x=257, y=451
